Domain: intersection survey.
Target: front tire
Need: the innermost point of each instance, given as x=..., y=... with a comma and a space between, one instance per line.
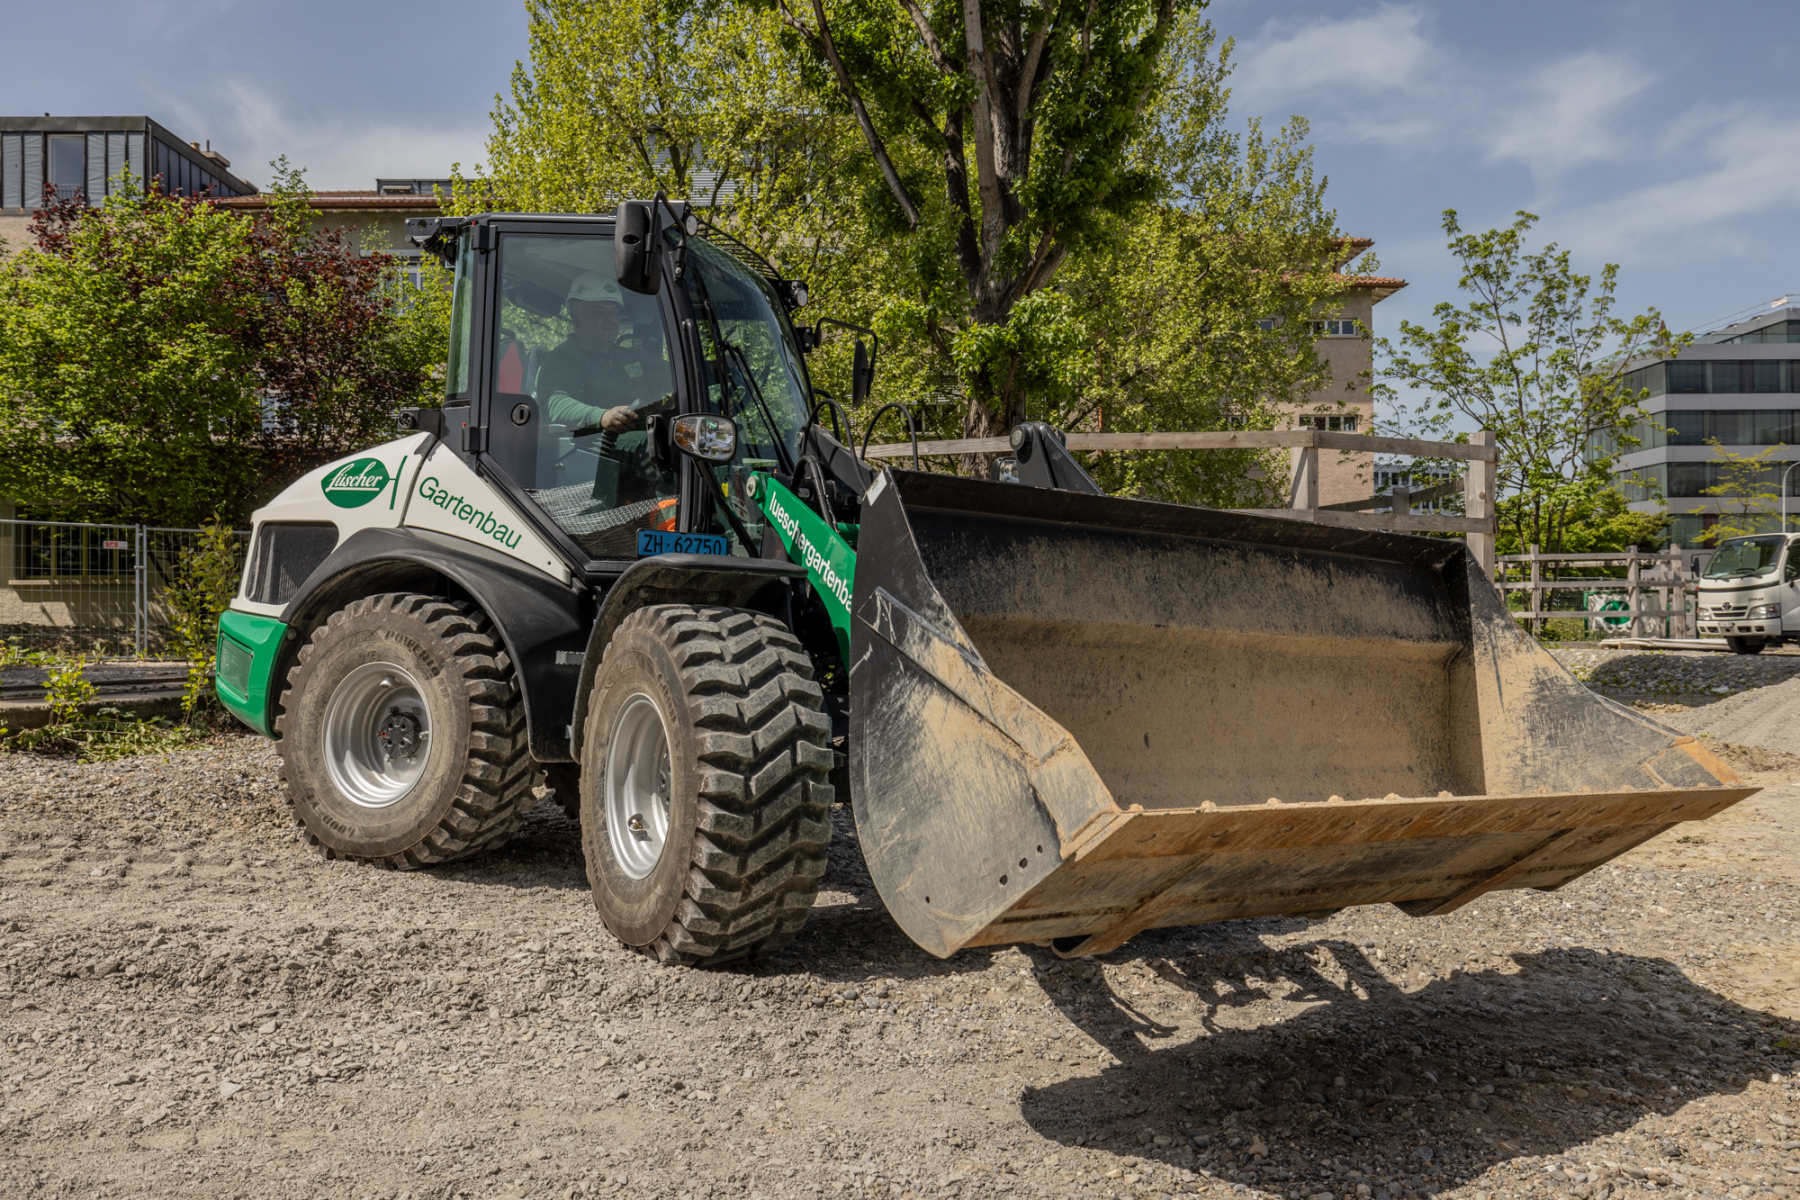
x=705, y=793
x=1743, y=645
x=403, y=737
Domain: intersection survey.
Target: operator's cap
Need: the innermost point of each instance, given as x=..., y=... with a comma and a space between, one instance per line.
x=594, y=285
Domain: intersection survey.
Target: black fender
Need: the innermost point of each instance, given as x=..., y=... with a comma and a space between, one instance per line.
x=542, y=623
x=679, y=579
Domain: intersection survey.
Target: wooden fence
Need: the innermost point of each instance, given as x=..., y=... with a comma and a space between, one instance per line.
x=1476, y=486
x=1648, y=594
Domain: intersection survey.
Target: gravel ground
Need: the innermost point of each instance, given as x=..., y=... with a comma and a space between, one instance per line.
x=193, y=1003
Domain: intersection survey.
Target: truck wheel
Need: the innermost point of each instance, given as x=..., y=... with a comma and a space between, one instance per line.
x=705, y=801
x=1742, y=645
x=403, y=736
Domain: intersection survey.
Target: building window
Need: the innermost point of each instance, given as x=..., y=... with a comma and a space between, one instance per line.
x=1336, y=423
x=1336, y=328
x=52, y=550
x=68, y=164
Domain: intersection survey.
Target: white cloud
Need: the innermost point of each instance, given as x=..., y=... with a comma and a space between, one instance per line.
x=1568, y=115
x=253, y=127
x=1383, y=51
x=1749, y=167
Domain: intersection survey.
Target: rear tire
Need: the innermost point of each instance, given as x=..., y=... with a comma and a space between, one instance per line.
x=403, y=737
x=705, y=793
x=1742, y=645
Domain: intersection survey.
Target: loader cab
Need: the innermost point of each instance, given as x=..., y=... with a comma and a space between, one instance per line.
x=560, y=382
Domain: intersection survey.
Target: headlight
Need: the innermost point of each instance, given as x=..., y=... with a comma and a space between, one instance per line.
x=1765, y=612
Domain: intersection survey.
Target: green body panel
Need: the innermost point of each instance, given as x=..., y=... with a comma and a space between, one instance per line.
x=829, y=561
x=248, y=645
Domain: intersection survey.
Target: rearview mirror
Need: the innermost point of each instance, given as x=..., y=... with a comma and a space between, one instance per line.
x=711, y=438
x=637, y=247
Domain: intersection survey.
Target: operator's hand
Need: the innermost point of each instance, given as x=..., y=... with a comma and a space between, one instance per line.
x=619, y=419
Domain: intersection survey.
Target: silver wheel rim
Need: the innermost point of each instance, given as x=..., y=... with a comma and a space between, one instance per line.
x=377, y=734
x=637, y=786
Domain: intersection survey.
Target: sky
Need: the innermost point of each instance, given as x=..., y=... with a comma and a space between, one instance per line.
x=1656, y=134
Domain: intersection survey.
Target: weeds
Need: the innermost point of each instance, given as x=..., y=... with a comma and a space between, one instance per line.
x=204, y=581
x=77, y=730
x=103, y=735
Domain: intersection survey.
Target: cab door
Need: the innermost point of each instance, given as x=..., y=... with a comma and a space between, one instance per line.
x=565, y=347
x=1789, y=593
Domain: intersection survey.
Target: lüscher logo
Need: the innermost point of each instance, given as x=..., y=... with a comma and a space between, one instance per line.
x=355, y=483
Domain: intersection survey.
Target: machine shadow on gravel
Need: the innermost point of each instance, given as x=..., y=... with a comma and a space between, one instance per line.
x=1418, y=1092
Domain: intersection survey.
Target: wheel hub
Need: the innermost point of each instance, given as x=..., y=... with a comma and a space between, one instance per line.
x=637, y=787
x=399, y=735
x=377, y=734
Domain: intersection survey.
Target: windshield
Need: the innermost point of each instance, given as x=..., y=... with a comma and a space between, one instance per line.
x=1741, y=558
x=752, y=368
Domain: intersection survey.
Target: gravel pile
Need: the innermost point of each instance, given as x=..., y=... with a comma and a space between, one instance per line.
x=1675, y=676
x=194, y=1003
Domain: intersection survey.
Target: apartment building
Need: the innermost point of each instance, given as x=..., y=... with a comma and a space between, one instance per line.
x=1345, y=344
x=91, y=156
x=1739, y=386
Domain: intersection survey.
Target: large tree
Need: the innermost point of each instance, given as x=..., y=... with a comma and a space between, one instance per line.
x=1536, y=353
x=1144, y=306
x=1001, y=132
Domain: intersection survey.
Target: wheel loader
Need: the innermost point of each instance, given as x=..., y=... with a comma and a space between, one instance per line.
x=635, y=554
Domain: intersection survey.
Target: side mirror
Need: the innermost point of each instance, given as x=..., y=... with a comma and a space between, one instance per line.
x=637, y=247
x=862, y=374
x=706, y=437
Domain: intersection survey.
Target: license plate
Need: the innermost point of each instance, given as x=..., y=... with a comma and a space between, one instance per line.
x=667, y=541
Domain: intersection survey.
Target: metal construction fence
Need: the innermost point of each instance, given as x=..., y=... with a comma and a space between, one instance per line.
x=96, y=588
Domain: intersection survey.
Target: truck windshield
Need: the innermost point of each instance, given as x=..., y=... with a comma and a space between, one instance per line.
x=751, y=366
x=1741, y=558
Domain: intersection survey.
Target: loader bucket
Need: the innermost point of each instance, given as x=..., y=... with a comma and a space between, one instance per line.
x=1075, y=717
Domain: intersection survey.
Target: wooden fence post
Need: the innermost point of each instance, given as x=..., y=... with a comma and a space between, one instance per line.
x=1681, y=625
x=1634, y=595
x=1478, y=502
x=1535, y=623
x=1402, y=501
x=1305, y=492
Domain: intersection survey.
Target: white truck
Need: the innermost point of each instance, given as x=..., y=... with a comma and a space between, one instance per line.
x=1750, y=592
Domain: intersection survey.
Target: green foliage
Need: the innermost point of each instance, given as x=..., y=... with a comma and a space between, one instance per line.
x=13, y=653
x=98, y=735
x=1098, y=256
x=125, y=388
x=200, y=589
x=1597, y=521
x=1536, y=354
x=1750, y=484
x=101, y=736
x=146, y=343
x=67, y=688
x=1000, y=146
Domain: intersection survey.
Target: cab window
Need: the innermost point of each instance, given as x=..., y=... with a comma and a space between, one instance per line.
x=578, y=367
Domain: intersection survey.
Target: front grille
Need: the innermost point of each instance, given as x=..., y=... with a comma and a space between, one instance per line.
x=284, y=555
x=234, y=665
x=1727, y=612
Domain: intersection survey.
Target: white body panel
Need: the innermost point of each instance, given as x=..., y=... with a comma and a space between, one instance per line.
x=449, y=498
x=413, y=482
